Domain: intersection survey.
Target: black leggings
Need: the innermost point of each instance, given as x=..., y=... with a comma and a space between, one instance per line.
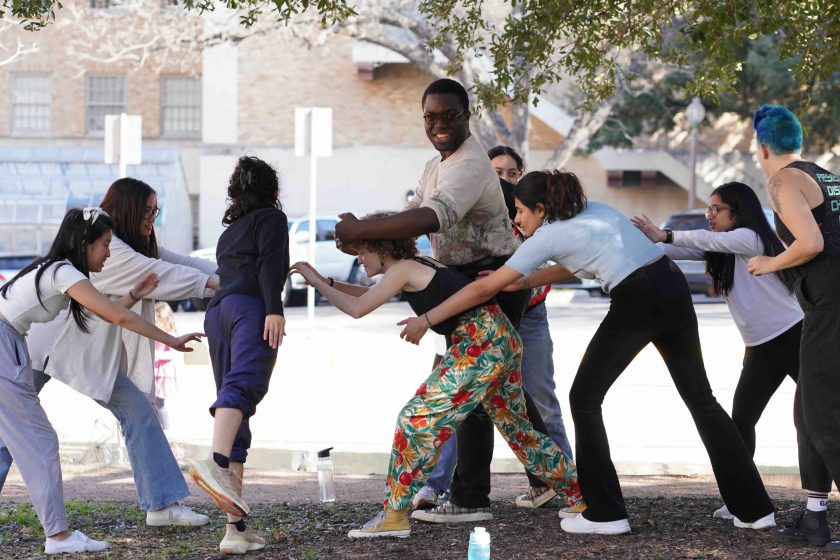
x=765, y=367
x=817, y=403
x=654, y=305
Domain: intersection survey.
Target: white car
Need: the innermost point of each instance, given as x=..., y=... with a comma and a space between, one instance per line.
x=329, y=260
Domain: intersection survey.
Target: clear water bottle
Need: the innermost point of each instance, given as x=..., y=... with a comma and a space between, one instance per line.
x=479, y=545
x=326, y=487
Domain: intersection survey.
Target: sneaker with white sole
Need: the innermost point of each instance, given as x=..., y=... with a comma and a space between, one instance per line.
x=723, y=513
x=220, y=484
x=241, y=542
x=571, y=511
x=176, y=515
x=447, y=512
x=766, y=522
x=76, y=542
x=426, y=498
x=582, y=526
x=386, y=523
x=536, y=497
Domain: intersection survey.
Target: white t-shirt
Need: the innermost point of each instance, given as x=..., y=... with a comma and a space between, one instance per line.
x=598, y=243
x=761, y=306
x=21, y=307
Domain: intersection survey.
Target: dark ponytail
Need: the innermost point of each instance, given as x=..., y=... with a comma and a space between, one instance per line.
x=252, y=186
x=560, y=192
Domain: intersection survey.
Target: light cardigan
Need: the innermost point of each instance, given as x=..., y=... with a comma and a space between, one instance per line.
x=89, y=363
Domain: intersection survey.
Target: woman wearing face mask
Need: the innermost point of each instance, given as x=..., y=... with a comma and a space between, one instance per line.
x=124, y=380
x=37, y=294
x=763, y=307
x=649, y=303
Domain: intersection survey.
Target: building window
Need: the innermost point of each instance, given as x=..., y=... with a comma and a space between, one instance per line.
x=180, y=107
x=31, y=104
x=105, y=96
x=105, y=4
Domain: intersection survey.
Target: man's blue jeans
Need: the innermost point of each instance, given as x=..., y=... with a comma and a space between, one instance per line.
x=538, y=381
x=157, y=477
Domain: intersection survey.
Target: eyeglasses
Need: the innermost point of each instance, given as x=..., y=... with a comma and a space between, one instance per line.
x=713, y=210
x=92, y=213
x=151, y=212
x=443, y=118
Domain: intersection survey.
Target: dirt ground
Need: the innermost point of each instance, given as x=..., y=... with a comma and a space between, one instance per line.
x=670, y=517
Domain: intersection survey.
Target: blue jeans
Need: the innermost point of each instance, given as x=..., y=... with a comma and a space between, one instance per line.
x=538, y=381
x=157, y=477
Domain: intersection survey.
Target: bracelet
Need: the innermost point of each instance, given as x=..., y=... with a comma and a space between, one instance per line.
x=426, y=315
x=134, y=298
x=332, y=281
x=669, y=235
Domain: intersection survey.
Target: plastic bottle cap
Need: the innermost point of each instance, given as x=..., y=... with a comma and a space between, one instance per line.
x=480, y=530
x=324, y=453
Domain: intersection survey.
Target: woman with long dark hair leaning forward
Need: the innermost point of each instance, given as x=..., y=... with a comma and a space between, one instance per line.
x=480, y=367
x=37, y=294
x=763, y=307
x=245, y=325
x=123, y=382
x=649, y=303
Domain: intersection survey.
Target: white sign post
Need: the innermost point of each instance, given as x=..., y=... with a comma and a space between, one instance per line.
x=123, y=140
x=313, y=138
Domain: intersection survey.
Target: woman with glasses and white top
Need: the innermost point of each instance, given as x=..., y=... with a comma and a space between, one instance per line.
x=36, y=294
x=764, y=308
x=123, y=381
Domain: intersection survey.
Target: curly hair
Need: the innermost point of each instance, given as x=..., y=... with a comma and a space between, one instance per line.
x=252, y=186
x=559, y=191
x=395, y=248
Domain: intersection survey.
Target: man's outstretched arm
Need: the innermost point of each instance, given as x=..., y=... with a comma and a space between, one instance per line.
x=406, y=224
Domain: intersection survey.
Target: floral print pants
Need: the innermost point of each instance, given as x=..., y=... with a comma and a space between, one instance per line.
x=481, y=366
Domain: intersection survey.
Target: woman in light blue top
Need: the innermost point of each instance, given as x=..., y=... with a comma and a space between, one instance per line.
x=764, y=308
x=650, y=303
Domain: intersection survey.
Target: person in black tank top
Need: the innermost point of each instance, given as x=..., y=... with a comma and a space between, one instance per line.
x=806, y=203
x=480, y=367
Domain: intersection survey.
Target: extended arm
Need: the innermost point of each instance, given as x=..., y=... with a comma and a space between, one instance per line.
x=406, y=224
x=808, y=243
x=393, y=281
x=469, y=296
x=84, y=293
x=541, y=277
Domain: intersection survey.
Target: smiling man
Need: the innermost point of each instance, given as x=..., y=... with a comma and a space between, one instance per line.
x=459, y=204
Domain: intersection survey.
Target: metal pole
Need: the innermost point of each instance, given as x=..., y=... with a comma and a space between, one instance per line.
x=692, y=188
x=313, y=230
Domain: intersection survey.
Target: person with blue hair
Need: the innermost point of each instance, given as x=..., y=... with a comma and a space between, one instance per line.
x=806, y=203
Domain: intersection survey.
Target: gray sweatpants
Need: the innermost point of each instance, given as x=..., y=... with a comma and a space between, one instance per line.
x=27, y=432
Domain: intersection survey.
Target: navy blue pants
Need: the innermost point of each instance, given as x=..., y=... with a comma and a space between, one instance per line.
x=242, y=360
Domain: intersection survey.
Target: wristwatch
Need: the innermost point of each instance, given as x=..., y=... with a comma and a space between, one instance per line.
x=669, y=235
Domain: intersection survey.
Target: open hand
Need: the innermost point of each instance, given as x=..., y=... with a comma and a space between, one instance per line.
x=275, y=330
x=145, y=285
x=647, y=227
x=181, y=341
x=307, y=271
x=761, y=265
x=415, y=328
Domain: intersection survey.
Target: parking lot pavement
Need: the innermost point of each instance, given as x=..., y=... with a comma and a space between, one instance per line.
x=341, y=382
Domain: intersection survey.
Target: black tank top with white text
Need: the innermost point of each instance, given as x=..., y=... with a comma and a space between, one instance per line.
x=827, y=214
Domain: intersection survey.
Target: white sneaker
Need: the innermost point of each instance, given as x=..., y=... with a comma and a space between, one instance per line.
x=177, y=515
x=581, y=525
x=426, y=498
x=241, y=542
x=723, y=513
x=766, y=522
x=76, y=542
